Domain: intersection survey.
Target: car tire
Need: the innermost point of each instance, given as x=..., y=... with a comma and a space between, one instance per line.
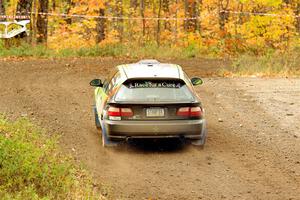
x=97, y=122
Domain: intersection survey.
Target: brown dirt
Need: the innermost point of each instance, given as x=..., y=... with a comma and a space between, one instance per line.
x=253, y=154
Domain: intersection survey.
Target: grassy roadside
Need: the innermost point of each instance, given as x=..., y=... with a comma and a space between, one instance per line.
x=33, y=168
x=273, y=64
x=112, y=50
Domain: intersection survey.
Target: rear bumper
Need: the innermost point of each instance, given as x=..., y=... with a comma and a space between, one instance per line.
x=192, y=129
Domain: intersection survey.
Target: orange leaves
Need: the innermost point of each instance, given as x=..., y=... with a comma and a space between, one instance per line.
x=191, y=1
x=96, y=4
x=175, y=7
x=90, y=7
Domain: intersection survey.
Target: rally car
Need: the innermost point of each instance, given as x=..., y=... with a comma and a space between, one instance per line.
x=148, y=99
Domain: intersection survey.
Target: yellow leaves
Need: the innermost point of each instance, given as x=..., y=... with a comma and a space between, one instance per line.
x=166, y=35
x=2, y=28
x=77, y=35
x=11, y=9
x=272, y=31
x=193, y=39
x=271, y=3
x=69, y=40
x=79, y=9
x=274, y=3
x=111, y=38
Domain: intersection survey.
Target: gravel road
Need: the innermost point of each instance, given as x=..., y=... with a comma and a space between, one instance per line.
x=253, y=147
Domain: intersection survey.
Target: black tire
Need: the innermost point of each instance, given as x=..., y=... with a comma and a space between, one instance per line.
x=97, y=122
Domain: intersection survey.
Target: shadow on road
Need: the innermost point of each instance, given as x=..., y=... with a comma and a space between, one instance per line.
x=154, y=145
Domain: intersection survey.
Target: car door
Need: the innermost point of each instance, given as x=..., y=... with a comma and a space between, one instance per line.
x=102, y=94
x=100, y=97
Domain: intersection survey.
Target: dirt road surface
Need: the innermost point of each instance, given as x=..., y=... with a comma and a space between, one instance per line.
x=253, y=147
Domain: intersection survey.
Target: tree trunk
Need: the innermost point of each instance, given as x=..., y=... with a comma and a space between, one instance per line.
x=166, y=9
x=2, y=10
x=53, y=6
x=42, y=22
x=192, y=15
x=176, y=22
x=241, y=9
x=142, y=10
x=70, y=5
x=298, y=18
x=120, y=21
x=100, y=27
x=197, y=15
x=133, y=4
x=158, y=24
x=24, y=7
x=186, y=21
x=33, y=22
x=193, y=25
x=223, y=15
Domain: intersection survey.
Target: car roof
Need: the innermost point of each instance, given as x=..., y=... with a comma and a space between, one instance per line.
x=151, y=69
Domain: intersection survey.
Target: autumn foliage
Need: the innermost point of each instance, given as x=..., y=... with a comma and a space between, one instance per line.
x=211, y=26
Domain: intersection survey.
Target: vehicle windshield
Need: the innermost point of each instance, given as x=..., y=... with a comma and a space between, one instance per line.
x=154, y=91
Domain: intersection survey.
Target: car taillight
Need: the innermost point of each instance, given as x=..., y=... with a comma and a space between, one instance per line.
x=184, y=111
x=195, y=112
x=189, y=111
x=114, y=112
x=119, y=112
x=126, y=112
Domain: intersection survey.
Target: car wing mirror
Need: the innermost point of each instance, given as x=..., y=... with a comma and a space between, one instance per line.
x=196, y=81
x=96, y=83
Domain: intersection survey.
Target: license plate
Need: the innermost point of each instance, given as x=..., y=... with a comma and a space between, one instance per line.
x=155, y=112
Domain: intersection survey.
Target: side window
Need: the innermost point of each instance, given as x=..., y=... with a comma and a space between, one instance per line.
x=188, y=82
x=187, y=79
x=105, y=85
x=116, y=79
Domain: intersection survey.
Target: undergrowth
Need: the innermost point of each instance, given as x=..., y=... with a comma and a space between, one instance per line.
x=109, y=50
x=273, y=63
x=33, y=168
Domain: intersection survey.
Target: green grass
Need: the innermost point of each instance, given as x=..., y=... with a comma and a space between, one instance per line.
x=24, y=50
x=31, y=166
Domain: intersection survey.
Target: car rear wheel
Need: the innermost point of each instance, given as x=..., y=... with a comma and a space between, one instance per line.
x=97, y=122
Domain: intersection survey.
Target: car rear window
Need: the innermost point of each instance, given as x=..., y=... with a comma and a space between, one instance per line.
x=154, y=91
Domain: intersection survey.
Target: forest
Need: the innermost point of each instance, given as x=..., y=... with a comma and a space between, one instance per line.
x=218, y=26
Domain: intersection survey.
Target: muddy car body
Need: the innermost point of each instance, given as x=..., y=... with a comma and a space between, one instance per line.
x=149, y=99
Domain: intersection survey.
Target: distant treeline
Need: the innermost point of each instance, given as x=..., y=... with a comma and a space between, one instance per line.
x=217, y=25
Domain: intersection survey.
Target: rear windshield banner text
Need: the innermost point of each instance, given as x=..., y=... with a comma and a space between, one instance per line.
x=150, y=84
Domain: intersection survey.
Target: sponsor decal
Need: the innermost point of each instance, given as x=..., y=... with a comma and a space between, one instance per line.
x=151, y=84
